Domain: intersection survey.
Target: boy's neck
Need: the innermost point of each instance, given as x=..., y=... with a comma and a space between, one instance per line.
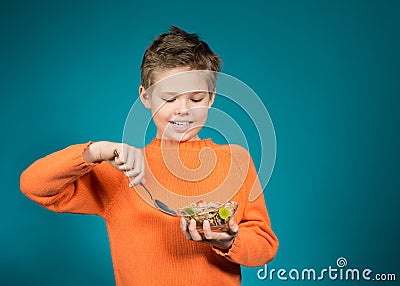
x=194, y=138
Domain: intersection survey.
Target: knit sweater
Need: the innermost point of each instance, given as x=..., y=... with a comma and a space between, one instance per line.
x=147, y=246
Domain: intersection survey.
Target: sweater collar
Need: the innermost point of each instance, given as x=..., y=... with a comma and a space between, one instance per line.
x=195, y=144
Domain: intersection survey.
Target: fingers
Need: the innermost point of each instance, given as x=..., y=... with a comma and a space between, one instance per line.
x=138, y=171
x=233, y=227
x=222, y=240
x=208, y=234
x=216, y=238
x=184, y=228
x=194, y=234
x=130, y=160
x=121, y=153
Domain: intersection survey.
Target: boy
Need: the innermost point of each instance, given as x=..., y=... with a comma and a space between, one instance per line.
x=149, y=247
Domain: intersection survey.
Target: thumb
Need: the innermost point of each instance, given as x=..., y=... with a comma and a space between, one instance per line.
x=233, y=227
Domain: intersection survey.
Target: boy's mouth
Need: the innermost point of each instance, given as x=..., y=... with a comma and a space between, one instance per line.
x=181, y=123
x=181, y=126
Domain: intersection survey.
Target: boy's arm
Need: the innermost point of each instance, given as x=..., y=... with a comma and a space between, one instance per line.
x=74, y=179
x=64, y=182
x=256, y=244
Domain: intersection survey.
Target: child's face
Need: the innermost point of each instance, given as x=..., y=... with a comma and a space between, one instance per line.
x=179, y=102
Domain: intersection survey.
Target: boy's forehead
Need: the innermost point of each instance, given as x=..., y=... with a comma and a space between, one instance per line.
x=178, y=81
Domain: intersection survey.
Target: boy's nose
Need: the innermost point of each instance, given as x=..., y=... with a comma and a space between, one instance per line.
x=182, y=107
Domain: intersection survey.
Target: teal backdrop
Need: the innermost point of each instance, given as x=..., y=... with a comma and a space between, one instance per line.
x=328, y=72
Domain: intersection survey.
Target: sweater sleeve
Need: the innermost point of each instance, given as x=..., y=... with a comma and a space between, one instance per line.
x=64, y=182
x=256, y=243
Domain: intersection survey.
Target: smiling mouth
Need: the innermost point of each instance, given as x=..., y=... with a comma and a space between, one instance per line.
x=181, y=123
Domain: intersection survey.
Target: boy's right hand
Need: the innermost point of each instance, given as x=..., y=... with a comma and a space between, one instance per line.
x=130, y=159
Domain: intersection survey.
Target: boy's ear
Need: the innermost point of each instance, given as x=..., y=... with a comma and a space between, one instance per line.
x=212, y=97
x=144, y=97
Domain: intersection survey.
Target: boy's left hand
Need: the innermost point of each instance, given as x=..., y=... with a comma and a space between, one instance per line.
x=222, y=240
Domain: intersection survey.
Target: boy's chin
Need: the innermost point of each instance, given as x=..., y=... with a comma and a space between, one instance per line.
x=190, y=136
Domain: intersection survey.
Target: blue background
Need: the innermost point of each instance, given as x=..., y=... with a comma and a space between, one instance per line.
x=328, y=72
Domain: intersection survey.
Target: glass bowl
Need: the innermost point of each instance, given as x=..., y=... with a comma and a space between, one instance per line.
x=218, y=214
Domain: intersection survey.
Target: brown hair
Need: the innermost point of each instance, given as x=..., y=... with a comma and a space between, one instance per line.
x=177, y=49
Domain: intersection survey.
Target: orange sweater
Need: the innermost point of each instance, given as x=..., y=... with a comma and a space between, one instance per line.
x=147, y=246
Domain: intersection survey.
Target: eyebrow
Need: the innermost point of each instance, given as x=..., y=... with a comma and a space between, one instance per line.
x=174, y=93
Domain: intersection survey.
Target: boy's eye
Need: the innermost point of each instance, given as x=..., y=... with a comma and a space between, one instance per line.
x=197, y=99
x=169, y=100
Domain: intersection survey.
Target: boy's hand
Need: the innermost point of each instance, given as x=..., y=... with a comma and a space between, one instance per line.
x=222, y=240
x=121, y=156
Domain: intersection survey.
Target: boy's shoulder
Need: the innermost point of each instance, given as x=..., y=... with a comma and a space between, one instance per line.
x=230, y=148
x=237, y=152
